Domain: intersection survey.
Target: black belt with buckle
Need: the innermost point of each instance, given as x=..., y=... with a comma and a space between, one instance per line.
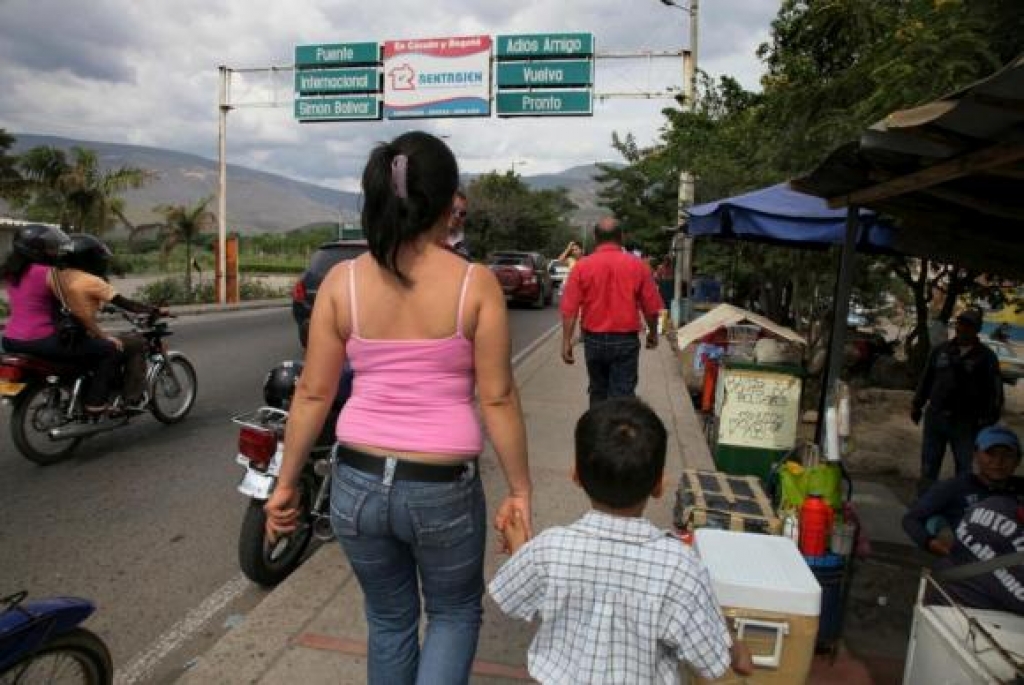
x=404, y=469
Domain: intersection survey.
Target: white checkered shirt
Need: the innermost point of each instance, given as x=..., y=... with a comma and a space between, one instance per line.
x=619, y=602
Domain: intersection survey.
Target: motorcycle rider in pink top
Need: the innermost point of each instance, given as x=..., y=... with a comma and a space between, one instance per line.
x=24, y=273
x=422, y=330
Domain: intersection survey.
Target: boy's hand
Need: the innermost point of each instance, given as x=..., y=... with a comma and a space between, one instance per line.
x=741, y=661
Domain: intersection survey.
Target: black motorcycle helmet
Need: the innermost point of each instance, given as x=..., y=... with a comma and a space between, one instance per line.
x=88, y=253
x=40, y=243
x=279, y=386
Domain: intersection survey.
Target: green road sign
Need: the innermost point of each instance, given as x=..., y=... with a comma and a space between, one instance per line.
x=326, y=81
x=544, y=103
x=336, y=54
x=577, y=72
x=530, y=45
x=350, y=108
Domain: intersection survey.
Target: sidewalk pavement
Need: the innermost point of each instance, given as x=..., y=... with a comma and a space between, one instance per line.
x=311, y=628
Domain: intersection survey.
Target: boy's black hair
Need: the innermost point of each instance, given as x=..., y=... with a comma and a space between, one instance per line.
x=620, y=452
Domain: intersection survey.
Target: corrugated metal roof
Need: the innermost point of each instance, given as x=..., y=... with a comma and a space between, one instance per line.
x=951, y=172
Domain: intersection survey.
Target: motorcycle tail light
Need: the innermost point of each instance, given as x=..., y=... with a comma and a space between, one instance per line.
x=10, y=373
x=299, y=291
x=257, y=445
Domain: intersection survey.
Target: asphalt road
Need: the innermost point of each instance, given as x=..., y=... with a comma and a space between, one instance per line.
x=144, y=520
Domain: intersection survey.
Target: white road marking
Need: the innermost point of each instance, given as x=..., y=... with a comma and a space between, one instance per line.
x=523, y=354
x=141, y=667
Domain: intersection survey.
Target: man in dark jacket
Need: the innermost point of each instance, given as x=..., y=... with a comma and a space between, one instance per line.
x=960, y=393
x=931, y=520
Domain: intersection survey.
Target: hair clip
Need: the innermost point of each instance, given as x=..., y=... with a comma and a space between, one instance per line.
x=399, y=166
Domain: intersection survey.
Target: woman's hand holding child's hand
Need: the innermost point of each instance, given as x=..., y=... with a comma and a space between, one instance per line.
x=514, y=532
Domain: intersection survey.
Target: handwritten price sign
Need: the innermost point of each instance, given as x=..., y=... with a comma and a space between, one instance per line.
x=758, y=409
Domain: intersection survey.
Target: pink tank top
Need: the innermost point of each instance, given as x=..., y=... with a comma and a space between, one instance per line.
x=411, y=395
x=32, y=306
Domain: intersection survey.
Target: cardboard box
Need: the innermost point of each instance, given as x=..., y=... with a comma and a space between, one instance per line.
x=712, y=499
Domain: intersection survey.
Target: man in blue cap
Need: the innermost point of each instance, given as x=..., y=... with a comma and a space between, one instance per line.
x=931, y=520
x=961, y=391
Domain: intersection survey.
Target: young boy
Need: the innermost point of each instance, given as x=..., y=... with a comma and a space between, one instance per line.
x=931, y=520
x=619, y=600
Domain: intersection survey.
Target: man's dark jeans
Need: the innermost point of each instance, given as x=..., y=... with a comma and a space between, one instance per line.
x=613, y=361
x=941, y=429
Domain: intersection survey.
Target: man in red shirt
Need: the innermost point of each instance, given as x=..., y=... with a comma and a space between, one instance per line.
x=607, y=291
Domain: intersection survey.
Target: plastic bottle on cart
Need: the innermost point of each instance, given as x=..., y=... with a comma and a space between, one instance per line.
x=815, y=525
x=791, y=526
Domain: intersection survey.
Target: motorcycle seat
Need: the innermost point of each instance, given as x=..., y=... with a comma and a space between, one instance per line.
x=31, y=362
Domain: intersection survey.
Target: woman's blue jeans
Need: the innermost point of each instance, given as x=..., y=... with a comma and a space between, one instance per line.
x=400, y=538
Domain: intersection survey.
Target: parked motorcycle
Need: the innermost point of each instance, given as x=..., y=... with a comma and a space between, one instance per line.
x=42, y=641
x=260, y=451
x=49, y=419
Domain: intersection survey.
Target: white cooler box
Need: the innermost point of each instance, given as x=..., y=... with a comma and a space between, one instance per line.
x=768, y=593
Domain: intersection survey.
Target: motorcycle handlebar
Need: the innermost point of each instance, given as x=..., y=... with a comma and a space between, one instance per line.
x=148, y=319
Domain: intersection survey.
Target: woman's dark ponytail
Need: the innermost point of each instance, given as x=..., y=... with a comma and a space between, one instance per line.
x=408, y=184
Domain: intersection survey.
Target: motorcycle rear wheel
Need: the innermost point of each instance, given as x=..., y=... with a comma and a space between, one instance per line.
x=266, y=564
x=173, y=389
x=78, y=656
x=41, y=408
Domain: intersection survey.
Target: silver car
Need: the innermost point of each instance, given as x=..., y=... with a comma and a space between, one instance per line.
x=1011, y=365
x=559, y=273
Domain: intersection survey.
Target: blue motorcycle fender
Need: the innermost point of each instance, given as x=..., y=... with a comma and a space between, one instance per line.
x=27, y=627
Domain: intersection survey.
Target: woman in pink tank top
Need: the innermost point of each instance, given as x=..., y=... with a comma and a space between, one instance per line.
x=425, y=333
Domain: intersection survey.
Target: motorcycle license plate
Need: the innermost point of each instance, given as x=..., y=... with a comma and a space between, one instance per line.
x=10, y=389
x=256, y=485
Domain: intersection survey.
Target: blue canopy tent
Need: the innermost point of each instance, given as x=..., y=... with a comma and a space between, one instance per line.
x=782, y=216
x=779, y=215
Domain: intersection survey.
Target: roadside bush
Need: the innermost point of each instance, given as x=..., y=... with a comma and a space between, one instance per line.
x=286, y=266
x=173, y=291
x=168, y=291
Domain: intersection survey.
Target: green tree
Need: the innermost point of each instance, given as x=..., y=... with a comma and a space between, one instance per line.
x=77, y=193
x=183, y=224
x=832, y=69
x=12, y=185
x=505, y=214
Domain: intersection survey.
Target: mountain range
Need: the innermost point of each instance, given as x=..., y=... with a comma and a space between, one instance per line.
x=261, y=202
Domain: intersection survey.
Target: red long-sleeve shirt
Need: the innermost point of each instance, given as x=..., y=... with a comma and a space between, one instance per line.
x=609, y=289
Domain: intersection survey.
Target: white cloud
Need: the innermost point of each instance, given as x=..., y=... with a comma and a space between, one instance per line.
x=145, y=72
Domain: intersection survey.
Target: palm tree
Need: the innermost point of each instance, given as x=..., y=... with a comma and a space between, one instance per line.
x=85, y=197
x=183, y=224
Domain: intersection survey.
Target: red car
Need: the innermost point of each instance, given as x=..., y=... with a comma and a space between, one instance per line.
x=524, y=277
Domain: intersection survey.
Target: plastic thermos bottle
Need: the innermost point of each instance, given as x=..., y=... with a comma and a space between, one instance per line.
x=815, y=523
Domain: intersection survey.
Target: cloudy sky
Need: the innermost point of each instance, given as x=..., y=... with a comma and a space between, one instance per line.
x=145, y=72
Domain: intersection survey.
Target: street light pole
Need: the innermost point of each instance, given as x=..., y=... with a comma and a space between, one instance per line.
x=522, y=162
x=684, y=262
x=222, y=185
